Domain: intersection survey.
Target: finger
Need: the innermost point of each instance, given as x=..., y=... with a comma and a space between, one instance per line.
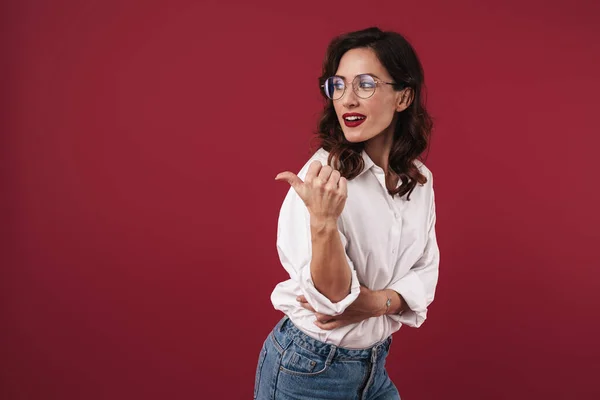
x=313, y=171
x=343, y=186
x=307, y=306
x=290, y=178
x=325, y=173
x=301, y=299
x=322, y=318
x=334, y=179
x=329, y=325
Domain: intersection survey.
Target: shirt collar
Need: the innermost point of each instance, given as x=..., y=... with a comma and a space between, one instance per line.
x=367, y=161
x=378, y=172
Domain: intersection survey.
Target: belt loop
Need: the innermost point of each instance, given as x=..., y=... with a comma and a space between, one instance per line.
x=331, y=354
x=281, y=323
x=374, y=353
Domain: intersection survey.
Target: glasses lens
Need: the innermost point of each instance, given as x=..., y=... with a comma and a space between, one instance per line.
x=334, y=87
x=364, y=86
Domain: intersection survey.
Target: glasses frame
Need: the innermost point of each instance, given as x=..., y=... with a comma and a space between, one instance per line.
x=354, y=86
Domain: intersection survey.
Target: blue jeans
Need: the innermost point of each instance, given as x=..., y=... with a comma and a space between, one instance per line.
x=292, y=365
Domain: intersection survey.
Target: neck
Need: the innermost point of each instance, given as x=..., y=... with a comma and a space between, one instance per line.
x=379, y=148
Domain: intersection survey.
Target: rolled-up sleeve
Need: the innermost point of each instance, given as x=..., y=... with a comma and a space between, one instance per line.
x=294, y=247
x=417, y=287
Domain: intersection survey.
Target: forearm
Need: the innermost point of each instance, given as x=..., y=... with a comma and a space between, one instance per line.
x=329, y=267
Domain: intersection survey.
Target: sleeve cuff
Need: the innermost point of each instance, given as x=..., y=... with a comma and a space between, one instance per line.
x=412, y=291
x=322, y=304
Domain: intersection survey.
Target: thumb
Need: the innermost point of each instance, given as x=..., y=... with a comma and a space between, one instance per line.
x=301, y=299
x=290, y=178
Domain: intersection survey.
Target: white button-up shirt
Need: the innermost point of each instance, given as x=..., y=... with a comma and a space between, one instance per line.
x=390, y=244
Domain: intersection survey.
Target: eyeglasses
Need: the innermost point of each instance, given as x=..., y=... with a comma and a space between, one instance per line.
x=364, y=86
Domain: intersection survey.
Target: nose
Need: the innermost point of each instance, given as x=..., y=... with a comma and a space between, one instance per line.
x=350, y=99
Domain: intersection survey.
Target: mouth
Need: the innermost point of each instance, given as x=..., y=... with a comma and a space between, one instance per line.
x=352, y=120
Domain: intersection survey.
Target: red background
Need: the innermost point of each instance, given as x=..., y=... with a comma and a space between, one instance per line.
x=138, y=149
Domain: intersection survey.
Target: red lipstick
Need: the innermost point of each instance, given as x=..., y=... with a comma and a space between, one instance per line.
x=352, y=120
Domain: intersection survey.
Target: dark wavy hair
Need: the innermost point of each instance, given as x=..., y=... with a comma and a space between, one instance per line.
x=413, y=125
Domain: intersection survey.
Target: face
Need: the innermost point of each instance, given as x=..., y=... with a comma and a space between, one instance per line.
x=375, y=114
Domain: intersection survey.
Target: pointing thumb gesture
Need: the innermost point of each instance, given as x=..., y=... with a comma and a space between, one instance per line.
x=290, y=178
x=324, y=190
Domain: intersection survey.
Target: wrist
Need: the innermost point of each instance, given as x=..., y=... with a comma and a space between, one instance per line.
x=323, y=224
x=395, y=303
x=381, y=303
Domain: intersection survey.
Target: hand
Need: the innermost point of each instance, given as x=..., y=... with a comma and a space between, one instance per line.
x=369, y=304
x=324, y=190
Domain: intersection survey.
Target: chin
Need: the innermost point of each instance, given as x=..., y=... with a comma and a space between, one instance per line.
x=355, y=137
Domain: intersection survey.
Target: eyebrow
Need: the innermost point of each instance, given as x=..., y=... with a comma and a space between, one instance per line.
x=365, y=73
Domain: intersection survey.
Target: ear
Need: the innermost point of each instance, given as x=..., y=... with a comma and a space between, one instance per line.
x=405, y=99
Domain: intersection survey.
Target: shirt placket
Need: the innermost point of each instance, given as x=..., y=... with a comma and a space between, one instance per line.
x=396, y=216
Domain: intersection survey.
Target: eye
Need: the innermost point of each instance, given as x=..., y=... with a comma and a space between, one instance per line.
x=338, y=84
x=366, y=83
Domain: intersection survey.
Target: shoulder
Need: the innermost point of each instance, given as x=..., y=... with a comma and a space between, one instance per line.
x=425, y=171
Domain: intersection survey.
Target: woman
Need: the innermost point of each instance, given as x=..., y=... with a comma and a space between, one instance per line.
x=356, y=231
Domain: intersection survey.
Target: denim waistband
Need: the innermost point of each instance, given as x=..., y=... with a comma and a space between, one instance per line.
x=286, y=332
